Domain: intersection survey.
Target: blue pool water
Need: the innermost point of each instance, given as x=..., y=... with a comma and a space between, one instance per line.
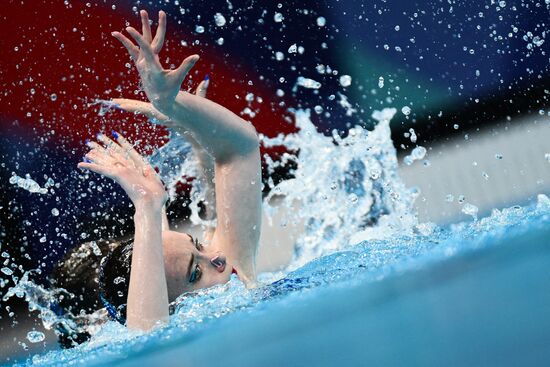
x=368, y=283
x=476, y=293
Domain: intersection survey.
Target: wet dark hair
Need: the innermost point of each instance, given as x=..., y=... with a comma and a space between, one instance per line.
x=114, y=280
x=97, y=276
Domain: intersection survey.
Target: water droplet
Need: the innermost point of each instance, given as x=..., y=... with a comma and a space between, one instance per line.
x=279, y=56
x=293, y=49
x=470, y=209
x=499, y=156
x=456, y=126
x=42, y=239
x=413, y=135
x=6, y=271
x=416, y=154
x=449, y=198
x=381, y=82
x=220, y=41
x=35, y=336
x=345, y=80
x=308, y=83
x=278, y=17
x=55, y=212
x=321, y=21
x=199, y=29
x=406, y=110
x=219, y=19
x=95, y=248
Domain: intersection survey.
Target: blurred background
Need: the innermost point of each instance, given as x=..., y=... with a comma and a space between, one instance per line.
x=469, y=80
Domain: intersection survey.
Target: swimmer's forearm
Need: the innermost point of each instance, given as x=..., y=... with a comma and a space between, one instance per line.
x=219, y=131
x=147, y=294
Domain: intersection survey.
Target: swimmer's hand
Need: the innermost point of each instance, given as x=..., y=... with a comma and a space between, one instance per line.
x=160, y=85
x=122, y=163
x=147, y=109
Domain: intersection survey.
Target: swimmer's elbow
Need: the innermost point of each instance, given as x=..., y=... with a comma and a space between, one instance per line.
x=251, y=140
x=240, y=146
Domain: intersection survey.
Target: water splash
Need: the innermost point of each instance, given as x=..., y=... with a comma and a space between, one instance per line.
x=358, y=224
x=366, y=262
x=27, y=183
x=352, y=188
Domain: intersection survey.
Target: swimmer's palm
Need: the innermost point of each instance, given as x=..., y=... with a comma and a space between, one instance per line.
x=160, y=85
x=122, y=163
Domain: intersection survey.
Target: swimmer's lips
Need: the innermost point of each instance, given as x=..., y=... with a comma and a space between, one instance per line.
x=219, y=263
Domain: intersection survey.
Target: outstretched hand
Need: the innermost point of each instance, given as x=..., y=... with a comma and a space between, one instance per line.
x=147, y=109
x=122, y=163
x=160, y=85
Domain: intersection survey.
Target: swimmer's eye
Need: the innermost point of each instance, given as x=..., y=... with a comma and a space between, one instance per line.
x=196, y=274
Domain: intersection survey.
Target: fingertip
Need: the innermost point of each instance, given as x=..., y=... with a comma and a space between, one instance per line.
x=162, y=13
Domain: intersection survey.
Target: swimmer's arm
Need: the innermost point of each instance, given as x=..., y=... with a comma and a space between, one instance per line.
x=147, y=294
x=165, y=223
x=219, y=131
x=237, y=170
x=232, y=142
x=239, y=208
x=205, y=160
x=147, y=303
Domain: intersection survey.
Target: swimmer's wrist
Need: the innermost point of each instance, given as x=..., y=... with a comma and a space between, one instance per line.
x=150, y=205
x=174, y=108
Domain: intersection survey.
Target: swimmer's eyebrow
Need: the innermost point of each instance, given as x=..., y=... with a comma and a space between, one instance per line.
x=190, y=266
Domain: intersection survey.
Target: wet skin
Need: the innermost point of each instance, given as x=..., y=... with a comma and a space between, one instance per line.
x=189, y=266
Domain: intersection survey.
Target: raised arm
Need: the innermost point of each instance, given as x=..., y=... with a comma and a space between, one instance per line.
x=205, y=160
x=232, y=142
x=147, y=302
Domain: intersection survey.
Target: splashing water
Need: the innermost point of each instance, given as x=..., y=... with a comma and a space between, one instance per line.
x=359, y=226
x=354, y=184
x=27, y=183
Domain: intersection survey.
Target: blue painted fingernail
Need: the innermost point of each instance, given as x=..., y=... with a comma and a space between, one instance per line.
x=207, y=77
x=86, y=160
x=115, y=134
x=87, y=141
x=97, y=136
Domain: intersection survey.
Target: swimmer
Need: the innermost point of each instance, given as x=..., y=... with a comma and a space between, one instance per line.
x=163, y=264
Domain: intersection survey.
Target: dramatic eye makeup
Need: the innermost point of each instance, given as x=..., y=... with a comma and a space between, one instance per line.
x=195, y=272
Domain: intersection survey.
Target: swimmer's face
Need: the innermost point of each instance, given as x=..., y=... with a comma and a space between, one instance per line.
x=190, y=266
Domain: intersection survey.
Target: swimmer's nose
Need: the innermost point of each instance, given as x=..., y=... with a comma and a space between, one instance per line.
x=219, y=262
